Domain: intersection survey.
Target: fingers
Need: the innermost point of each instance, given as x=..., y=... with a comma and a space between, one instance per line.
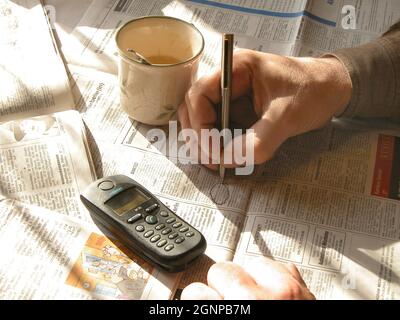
x=279, y=281
x=261, y=278
x=242, y=114
x=200, y=101
x=185, y=124
x=295, y=273
x=232, y=282
x=257, y=145
x=199, y=291
x=269, y=274
x=184, y=116
x=202, y=97
x=197, y=112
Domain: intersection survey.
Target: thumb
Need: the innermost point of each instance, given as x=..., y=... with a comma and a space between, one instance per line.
x=258, y=144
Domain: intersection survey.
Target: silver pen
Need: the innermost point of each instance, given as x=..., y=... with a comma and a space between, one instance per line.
x=226, y=88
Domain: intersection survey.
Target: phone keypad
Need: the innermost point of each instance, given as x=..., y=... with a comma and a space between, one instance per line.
x=172, y=235
x=170, y=220
x=151, y=219
x=148, y=233
x=160, y=226
x=135, y=218
x=177, y=225
x=179, y=240
x=155, y=238
x=166, y=231
x=161, y=220
x=161, y=243
x=152, y=208
x=164, y=214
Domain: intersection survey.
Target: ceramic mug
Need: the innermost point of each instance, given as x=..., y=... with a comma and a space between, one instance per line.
x=159, y=58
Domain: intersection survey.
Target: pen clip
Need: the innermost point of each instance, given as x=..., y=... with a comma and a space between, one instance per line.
x=227, y=57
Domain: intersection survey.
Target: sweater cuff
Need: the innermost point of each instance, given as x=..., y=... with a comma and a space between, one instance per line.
x=374, y=69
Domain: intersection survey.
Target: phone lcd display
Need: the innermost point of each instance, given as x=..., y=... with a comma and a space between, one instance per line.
x=127, y=200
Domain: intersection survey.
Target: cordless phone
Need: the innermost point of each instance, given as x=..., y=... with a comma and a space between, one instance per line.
x=143, y=223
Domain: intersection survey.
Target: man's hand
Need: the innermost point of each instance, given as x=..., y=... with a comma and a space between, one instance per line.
x=261, y=279
x=288, y=96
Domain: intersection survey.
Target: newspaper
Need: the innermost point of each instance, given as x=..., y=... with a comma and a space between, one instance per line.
x=323, y=203
x=325, y=29
x=316, y=204
x=313, y=204
x=332, y=208
x=287, y=27
x=32, y=75
x=329, y=208
x=52, y=256
x=42, y=162
x=53, y=250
